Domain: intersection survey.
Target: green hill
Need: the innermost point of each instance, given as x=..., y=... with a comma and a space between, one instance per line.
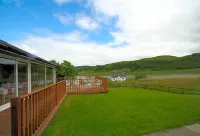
x=153, y=64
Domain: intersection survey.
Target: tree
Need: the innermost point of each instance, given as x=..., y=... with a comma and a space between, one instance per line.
x=67, y=69
x=55, y=62
x=58, y=69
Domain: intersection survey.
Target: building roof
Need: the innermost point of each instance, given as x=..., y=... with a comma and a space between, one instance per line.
x=8, y=49
x=115, y=75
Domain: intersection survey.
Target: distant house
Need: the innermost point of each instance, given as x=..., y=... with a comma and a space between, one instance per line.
x=118, y=77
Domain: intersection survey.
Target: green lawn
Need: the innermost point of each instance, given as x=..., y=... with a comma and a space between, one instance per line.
x=123, y=112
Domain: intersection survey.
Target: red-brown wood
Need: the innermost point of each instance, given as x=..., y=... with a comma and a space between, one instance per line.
x=84, y=86
x=16, y=113
x=29, y=112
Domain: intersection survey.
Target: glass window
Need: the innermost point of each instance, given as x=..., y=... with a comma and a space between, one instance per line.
x=49, y=75
x=22, y=78
x=7, y=80
x=37, y=77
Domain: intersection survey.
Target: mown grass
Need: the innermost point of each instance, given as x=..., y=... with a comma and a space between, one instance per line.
x=123, y=112
x=145, y=72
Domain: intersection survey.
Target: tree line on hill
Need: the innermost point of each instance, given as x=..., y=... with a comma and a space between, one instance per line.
x=155, y=64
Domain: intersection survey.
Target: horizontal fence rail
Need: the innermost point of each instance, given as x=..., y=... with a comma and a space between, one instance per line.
x=29, y=112
x=171, y=89
x=84, y=86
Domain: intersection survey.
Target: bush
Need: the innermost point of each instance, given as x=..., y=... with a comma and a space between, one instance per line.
x=139, y=76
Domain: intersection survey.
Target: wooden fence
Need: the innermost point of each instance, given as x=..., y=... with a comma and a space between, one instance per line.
x=85, y=86
x=31, y=112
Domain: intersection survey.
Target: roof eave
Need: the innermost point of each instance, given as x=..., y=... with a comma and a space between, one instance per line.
x=6, y=48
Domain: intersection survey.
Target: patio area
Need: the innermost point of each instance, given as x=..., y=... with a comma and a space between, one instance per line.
x=5, y=125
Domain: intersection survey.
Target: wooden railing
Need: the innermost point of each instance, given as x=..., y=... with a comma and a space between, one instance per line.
x=29, y=113
x=85, y=86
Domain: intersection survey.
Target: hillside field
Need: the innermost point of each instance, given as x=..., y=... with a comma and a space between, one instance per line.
x=155, y=65
x=145, y=72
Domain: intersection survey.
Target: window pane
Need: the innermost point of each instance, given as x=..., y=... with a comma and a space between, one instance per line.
x=49, y=72
x=7, y=80
x=22, y=78
x=37, y=77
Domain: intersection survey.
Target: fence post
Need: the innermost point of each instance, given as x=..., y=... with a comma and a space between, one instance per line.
x=65, y=81
x=16, y=117
x=182, y=91
x=56, y=93
x=106, y=84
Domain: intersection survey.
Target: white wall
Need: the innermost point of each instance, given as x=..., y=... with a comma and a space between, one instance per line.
x=118, y=79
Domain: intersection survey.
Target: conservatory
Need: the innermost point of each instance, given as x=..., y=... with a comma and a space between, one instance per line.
x=21, y=73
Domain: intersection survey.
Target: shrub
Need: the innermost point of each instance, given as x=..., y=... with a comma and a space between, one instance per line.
x=139, y=76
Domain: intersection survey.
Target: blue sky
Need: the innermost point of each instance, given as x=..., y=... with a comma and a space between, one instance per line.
x=20, y=18
x=95, y=32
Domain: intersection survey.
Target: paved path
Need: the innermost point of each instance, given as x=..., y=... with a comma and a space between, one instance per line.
x=5, y=120
x=191, y=130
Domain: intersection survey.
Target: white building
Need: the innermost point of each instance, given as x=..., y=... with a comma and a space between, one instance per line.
x=22, y=73
x=118, y=77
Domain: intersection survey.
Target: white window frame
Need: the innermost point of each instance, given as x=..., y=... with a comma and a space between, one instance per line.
x=54, y=75
x=45, y=75
x=16, y=78
x=29, y=77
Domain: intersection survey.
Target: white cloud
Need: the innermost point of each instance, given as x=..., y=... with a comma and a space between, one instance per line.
x=61, y=2
x=80, y=52
x=81, y=20
x=74, y=36
x=139, y=21
x=64, y=18
x=27, y=48
x=86, y=22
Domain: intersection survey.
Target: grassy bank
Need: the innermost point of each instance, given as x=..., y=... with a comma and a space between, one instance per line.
x=123, y=112
x=176, y=82
x=188, y=85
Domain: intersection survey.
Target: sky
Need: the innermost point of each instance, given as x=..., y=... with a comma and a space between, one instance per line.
x=97, y=32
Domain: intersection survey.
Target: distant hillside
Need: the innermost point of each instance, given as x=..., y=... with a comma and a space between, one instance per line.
x=155, y=64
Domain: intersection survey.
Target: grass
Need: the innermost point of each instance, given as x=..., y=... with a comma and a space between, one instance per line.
x=123, y=112
x=184, y=82
x=145, y=72
x=187, y=85
x=193, y=82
